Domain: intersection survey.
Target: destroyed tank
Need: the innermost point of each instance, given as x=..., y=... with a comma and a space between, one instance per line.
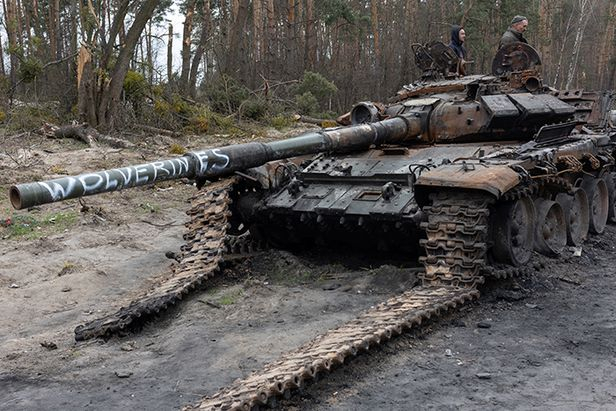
x=470, y=173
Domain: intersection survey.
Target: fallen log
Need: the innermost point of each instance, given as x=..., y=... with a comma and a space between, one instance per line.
x=318, y=121
x=83, y=132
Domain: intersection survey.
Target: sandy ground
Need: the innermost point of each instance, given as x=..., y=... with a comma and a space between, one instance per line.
x=545, y=341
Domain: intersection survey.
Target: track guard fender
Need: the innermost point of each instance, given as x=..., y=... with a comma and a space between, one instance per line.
x=493, y=179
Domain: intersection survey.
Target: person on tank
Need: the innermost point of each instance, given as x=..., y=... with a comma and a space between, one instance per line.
x=458, y=36
x=515, y=32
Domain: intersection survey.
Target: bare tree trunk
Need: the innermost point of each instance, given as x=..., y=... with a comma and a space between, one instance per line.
x=236, y=48
x=206, y=15
x=56, y=7
x=257, y=38
x=467, y=12
x=10, y=20
x=545, y=36
x=27, y=27
x=291, y=40
x=51, y=28
x=310, y=55
x=73, y=34
x=585, y=12
x=186, y=43
x=271, y=38
x=116, y=27
x=607, y=48
x=110, y=95
x=2, y=69
x=149, y=53
x=374, y=20
x=562, y=52
x=170, y=55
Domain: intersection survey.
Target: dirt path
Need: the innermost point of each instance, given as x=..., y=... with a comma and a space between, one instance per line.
x=549, y=344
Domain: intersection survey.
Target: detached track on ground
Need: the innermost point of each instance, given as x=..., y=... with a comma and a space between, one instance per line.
x=201, y=258
x=374, y=327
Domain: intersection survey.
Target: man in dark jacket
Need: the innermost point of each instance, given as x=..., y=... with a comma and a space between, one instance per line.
x=458, y=35
x=514, y=32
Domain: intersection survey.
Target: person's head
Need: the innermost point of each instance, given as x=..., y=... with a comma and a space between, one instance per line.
x=458, y=35
x=519, y=24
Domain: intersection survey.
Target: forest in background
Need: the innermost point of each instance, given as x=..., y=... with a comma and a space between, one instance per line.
x=97, y=59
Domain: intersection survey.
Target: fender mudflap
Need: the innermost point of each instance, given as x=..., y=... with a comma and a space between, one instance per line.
x=495, y=179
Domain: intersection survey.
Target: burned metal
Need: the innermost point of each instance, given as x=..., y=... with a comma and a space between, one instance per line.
x=467, y=175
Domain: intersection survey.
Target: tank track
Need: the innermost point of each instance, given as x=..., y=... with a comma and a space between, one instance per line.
x=456, y=243
x=457, y=230
x=207, y=246
x=375, y=326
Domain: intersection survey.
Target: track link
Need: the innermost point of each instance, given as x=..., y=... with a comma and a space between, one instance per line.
x=202, y=255
x=374, y=327
x=456, y=243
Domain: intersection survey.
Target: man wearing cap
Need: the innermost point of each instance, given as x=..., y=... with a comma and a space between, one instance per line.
x=514, y=32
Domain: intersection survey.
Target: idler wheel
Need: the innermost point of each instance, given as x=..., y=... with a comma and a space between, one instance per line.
x=513, y=232
x=576, y=212
x=551, y=228
x=598, y=203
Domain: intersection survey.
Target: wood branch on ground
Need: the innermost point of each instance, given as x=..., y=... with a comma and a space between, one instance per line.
x=322, y=122
x=83, y=132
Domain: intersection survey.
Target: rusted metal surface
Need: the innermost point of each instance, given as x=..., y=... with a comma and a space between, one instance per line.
x=493, y=178
x=515, y=58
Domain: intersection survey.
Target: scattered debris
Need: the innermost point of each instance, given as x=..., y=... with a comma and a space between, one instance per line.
x=210, y=303
x=569, y=281
x=331, y=286
x=129, y=346
x=123, y=374
x=50, y=345
x=12, y=356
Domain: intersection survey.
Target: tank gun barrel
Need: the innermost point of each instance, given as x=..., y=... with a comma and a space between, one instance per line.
x=218, y=162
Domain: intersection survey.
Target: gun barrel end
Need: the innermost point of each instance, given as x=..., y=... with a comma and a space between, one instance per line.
x=15, y=198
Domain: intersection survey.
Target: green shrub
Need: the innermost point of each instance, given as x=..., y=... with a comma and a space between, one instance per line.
x=225, y=94
x=317, y=85
x=254, y=108
x=307, y=103
x=281, y=122
x=31, y=117
x=135, y=86
x=176, y=148
x=29, y=69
